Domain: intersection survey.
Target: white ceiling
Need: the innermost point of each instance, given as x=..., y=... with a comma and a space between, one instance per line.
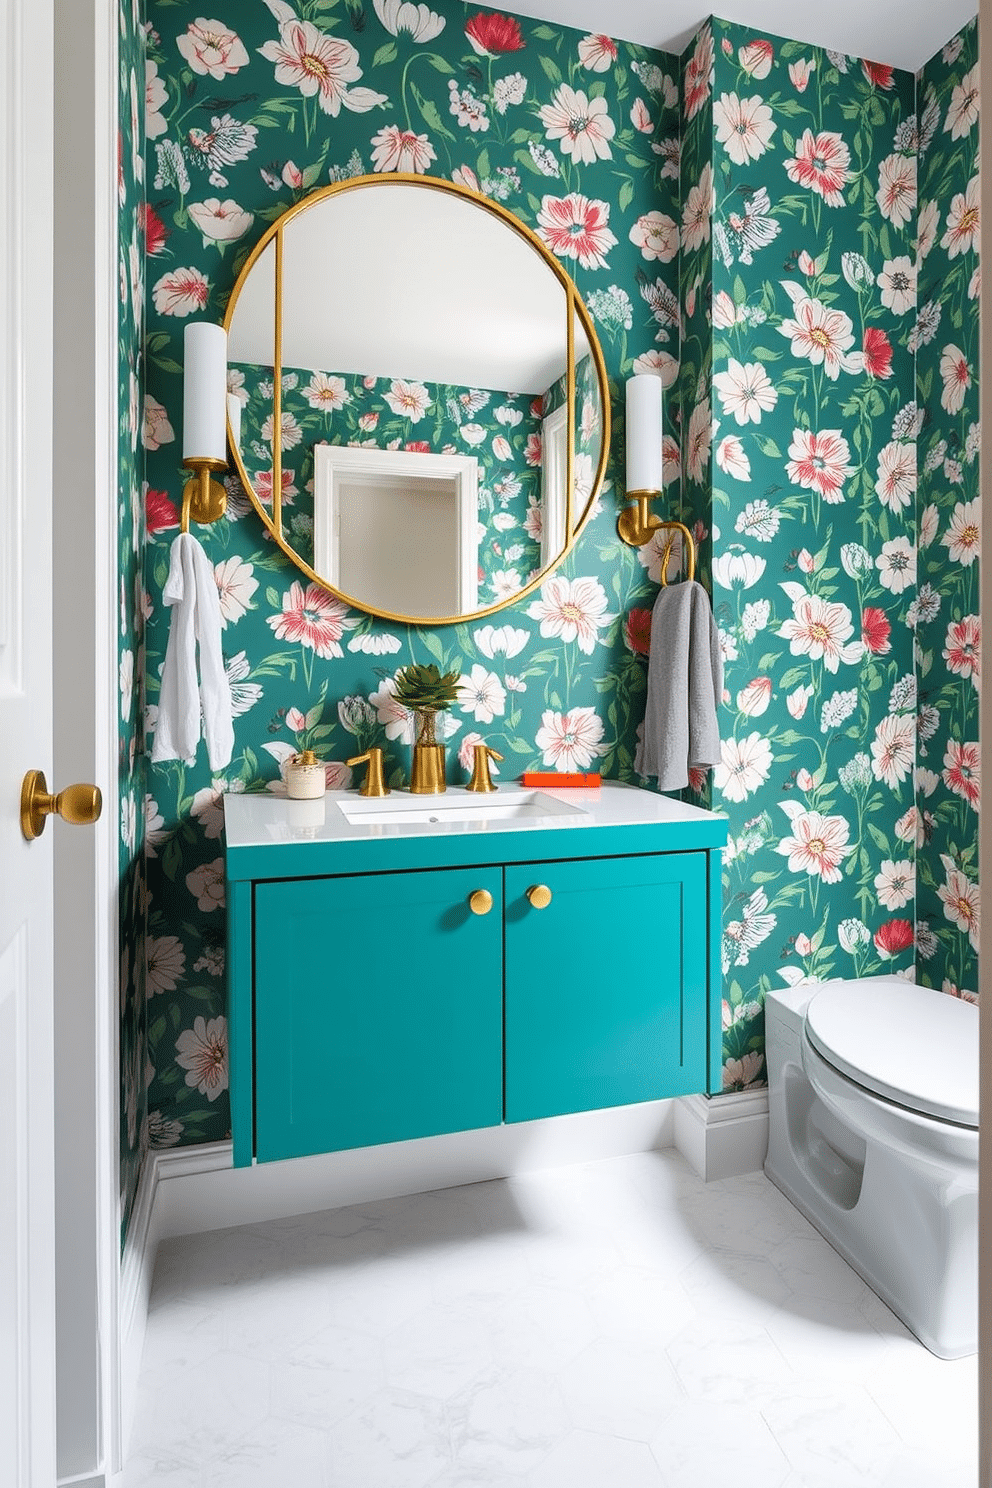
x=903, y=33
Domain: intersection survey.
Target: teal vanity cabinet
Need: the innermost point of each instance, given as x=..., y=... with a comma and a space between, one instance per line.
x=403, y=978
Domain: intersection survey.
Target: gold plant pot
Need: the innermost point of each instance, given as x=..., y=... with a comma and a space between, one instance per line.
x=427, y=771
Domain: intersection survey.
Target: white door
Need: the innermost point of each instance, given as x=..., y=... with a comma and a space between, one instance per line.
x=27, y=1344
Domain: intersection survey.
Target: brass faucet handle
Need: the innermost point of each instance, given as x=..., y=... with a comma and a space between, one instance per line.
x=373, y=784
x=480, y=771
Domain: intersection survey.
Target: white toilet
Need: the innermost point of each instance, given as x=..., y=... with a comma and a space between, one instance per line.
x=873, y=1135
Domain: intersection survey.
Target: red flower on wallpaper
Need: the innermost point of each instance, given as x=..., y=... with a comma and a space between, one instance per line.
x=575, y=226
x=492, y=34
x=878, y=74
x=160, y=513
x=637, y=630
x=875, y=631
x=418, y=446
x=878, y=353
x=894, y=936
x=155, y=229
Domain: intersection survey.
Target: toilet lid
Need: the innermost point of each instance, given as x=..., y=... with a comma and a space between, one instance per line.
x=905, y=1043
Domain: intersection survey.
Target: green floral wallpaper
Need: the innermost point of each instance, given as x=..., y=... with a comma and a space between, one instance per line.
x=769, y=235
x=130, y=549
x=948, y=635
x=248, y=109
x=812, y=466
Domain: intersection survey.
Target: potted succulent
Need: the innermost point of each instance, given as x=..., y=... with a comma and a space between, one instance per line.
x=426, y=692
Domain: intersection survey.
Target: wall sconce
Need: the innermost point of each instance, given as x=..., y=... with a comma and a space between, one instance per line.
x=204, y=421
x=644, y=473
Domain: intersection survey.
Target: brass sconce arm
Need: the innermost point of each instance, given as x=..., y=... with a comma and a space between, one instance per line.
x=637, y=525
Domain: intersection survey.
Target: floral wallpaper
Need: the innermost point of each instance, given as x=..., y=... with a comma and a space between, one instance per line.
x=501, y=430
x=752, y=206
x=948, y=636
x=248, y=108
x=130, y=547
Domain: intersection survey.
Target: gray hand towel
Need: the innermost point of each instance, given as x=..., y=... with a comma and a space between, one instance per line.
x=685, y=682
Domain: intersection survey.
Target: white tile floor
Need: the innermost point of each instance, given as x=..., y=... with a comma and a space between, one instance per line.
x=613, y=1325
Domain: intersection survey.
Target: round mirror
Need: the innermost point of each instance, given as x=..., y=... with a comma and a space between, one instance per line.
x=439, y=392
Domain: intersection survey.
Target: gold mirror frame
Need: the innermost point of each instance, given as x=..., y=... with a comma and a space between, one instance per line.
x=574, y=307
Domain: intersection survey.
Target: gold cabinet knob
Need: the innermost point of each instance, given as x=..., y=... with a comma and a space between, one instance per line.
x=539, y=895
x=79, y=804
x=480, y=901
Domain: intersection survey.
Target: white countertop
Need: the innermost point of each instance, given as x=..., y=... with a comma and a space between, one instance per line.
x=263, y=818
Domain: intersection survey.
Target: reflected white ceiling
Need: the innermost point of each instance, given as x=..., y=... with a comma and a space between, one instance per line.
x=903, y=33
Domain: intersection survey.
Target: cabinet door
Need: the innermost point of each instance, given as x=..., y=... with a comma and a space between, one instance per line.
x=606, y=986
x=378, y=1010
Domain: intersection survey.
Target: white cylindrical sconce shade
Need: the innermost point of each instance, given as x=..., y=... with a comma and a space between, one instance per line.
x=234, y=419
x=205, y=392
x=644, y=452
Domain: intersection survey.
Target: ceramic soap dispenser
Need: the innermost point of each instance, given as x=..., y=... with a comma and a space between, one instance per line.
x=305, y=779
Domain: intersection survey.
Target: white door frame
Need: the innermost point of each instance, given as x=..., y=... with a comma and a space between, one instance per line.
x=86, y=744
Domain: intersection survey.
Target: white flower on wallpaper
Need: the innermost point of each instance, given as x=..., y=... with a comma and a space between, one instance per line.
x=202, y=1053
x=570, y=741
x=964, y=534
x=698, y=211
x=820, y=334
x=402, y=18
x=657, y=236
x=500, y=640
x=236, y=584
x=572, y=610
x=821, y=164
x=165, y=964
x=818, y=844
x=581, y=126
x=745, y=390
x=220, y=221
x=597, y=53
x=894, y=749
x=314, y=618
x=320, y=66
x=744, y=127
x=156, y=97
x=181, y=292
x=820, y=629
x=955, y=373
x=576, y=226
x=744, y=766
x=962, y=111
x=896, y=194
x=395, y=149
x=481, y=693
x=212, y=49
x=961, y=900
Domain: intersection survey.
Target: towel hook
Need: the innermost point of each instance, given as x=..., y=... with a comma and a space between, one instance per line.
x=637, y=526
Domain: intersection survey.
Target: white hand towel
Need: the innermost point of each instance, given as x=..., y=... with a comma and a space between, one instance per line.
x=685, y=682
x=191, y=590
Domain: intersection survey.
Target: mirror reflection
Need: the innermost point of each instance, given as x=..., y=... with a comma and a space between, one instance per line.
x=427, y=435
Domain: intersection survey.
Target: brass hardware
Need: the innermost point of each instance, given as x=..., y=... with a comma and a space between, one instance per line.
x=306, y=758
x=427, y=774
x=480, y=770
x=204, y=500
x=575, y=310
x=78, y=804
x=373, y=784
x=480, y=901
x=539, y=896
x=636, y=525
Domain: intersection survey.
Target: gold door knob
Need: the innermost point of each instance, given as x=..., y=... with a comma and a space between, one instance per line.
x=539, y=895
x=480, y=901
x=79, y=804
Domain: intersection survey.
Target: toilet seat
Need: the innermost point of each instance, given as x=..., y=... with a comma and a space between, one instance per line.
x=907, y=1044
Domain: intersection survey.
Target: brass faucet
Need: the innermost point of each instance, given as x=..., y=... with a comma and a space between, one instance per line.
x=480, y=771
x=373, y=784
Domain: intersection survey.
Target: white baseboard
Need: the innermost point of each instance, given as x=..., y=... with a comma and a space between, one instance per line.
x=89, y=1480
x=722, y=1137
x=204, y=1192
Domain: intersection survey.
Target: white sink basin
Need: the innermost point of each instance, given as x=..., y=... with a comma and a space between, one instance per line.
x=455, y=806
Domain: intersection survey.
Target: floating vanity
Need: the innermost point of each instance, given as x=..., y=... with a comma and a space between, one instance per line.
x=406, y=966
